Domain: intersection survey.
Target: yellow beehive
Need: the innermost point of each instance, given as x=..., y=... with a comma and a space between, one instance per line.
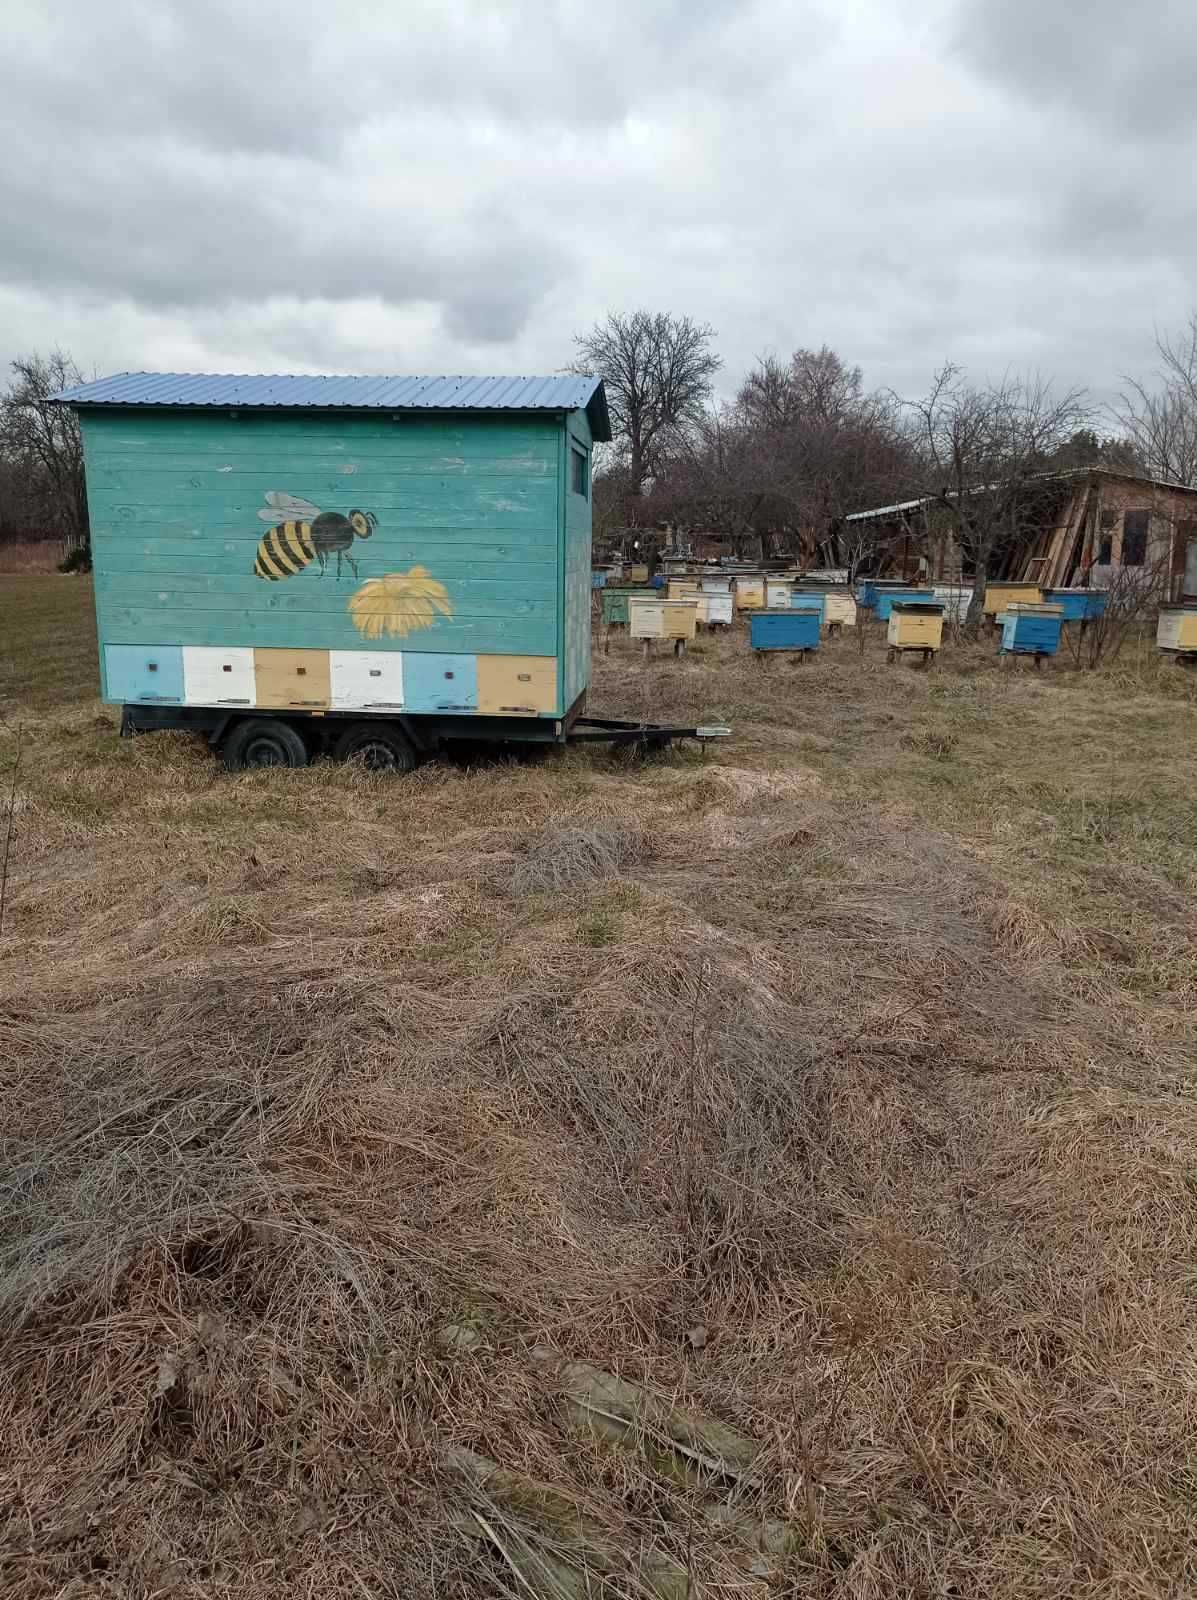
x=915, y=628
x=839, y=608
x=1177, y=629
x=750, y=593
x=684, y=589
x=998, y=596
x=638, y=572
x=662, y=619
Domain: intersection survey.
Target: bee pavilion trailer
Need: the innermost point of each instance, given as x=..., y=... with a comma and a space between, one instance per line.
x=370, y=567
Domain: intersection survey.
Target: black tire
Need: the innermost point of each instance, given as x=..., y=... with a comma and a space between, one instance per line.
x=264, y=742
x=378, y=747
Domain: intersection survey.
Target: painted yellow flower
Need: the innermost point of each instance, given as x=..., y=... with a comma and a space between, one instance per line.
x=398, y=604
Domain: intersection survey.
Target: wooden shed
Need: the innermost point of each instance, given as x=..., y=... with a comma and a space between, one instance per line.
x=332, y=544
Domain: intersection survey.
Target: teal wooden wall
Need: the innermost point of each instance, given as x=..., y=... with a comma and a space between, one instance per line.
x=575, y=653
x=174, y=500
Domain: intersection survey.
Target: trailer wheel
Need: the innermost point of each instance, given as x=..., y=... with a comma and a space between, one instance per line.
x=376, y=747
x=264, y=742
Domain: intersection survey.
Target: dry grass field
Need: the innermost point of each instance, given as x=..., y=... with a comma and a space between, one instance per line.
x=30, y=557
x=838, y=1086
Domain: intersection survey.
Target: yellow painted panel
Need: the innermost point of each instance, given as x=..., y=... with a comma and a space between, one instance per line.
x=750, y=594
x=915, y=629
x=999, y=595
x=638, y=573
x=517, y=686
x=839, y=608
x=297, y=679
x=683, y=589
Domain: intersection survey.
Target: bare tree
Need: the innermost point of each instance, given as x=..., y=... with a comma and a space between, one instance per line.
x=42, y=448
x=980, y=449
x=1159, y=416
x=658, y=370
x=814, y=385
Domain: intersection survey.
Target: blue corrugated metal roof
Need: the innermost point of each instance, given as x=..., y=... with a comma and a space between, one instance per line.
x=355, y=394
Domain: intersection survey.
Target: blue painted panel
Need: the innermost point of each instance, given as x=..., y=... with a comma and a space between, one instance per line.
x=807, y=602
x=598, y=580
x=440, y=682
x=886, y=597
x=1026, y=633
x=150, y=674
x=785, y=630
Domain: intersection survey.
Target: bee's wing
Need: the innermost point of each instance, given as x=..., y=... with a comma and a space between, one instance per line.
x=281, y=507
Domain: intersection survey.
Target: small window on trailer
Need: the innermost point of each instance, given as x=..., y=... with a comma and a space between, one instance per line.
x=579, y=476
x=1134, y=538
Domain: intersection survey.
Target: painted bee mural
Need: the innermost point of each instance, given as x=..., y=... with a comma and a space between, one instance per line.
x=301, y=533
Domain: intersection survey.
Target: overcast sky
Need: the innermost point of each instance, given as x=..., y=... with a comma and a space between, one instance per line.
x=451, y=185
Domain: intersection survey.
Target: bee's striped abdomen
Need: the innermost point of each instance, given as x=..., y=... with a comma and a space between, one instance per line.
x=284, y=551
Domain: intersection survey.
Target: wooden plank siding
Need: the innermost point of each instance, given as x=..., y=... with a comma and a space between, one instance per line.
x=482, y=503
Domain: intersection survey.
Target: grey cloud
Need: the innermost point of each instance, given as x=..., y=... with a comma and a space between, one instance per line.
x=1125, y=69
x=463, y=184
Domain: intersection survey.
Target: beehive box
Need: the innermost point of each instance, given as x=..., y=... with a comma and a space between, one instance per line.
x=807, y=601
x=785, y=630
x=1077, y=605
x=777, y=593
x=839, y=606
x=750, y=592
x=638, y=572
x=955, y=599
x=598, y=578
x=1001, y=596
x=915, y=625
x=662, y=619
x=615, y=601
x=1177, y=629
x=715, y=610
x=715, y=583
x=682, y=589
x=1029, y=629
x=887, y=598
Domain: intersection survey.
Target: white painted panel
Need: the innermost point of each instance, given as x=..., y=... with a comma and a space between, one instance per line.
x=364, y=680
x=214, y=677
x=778, y=596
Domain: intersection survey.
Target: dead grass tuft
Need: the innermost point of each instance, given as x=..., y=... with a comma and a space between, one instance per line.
x=563, y=858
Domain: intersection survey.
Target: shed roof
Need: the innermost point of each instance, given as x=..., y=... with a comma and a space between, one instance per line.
x=1060, y=476
x=288, y=392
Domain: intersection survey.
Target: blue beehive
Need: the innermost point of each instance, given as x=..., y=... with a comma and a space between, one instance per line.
x=808, y=602
x=886, y=598
x=598, y=580
x=1077, y=605
x=785, y=630
x=1031, y=630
